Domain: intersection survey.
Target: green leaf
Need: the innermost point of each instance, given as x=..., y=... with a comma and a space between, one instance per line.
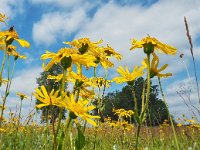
x=80, y=140
x=61, y=138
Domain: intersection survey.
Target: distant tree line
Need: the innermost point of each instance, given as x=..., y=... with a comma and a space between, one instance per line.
x=156, y=114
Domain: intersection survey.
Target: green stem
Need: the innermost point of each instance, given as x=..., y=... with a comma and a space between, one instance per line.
x=62, y=90
x=142, y=115
x=171, y=121
x=6, y=91
x=3, y=63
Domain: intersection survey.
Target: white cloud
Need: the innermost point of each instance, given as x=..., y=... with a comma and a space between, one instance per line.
x=25, y=80
x=181, y=96
x=117, y=25
x=10, y=8
x=54, y=25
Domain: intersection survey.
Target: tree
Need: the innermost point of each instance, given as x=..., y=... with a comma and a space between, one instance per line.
x=50, y=112
x=156, y=113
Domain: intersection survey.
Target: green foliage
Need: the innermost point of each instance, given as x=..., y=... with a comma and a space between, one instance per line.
x=156, y=113
x=52, y=111
x=80, y=140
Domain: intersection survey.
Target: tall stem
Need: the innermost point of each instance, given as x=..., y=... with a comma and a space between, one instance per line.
x=142, y=115
x=171, y=121
x=62, y=90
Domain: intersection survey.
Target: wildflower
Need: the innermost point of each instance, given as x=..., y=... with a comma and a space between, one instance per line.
x=112, y=124
x=151, y=43
x=3, y=107
x=109, y=51
x=154, y=71
x=2, y=17
x=2, y=130
x=99, y=82
x=179, y=125
x=84, y=45
x=4, y=81
x=11, y=35
x=80, y=109
x=86, y=60
x=22, y=96
x=126, y=76
x=123, y=113
x=11, y=50
x=191, y=121
x=45, y=98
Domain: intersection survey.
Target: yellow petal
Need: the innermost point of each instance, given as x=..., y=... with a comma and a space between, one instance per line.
x=23, y=43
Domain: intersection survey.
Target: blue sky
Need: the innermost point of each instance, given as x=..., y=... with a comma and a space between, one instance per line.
x=48, y=23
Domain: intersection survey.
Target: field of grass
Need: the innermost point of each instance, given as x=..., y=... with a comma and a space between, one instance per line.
x=104, y=137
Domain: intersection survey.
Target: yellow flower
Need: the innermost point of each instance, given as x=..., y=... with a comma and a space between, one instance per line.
x=4, y=81
x=11, y=35
x=11, y=50
x=154, y=71
x=57, y=78
x=85, y=59
x=22, y=96
x=80, y=108
x=109, y=51
x=100, y=82
x=2, y=17
x=47, y=99
x=179, y=125
x=2, y=130
x=123, y=113
x=126, y=76
x=161, y=47
x=84, y=45
x=3, y=107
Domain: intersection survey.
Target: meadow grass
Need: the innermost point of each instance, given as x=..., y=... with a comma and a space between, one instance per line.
x=104, y=137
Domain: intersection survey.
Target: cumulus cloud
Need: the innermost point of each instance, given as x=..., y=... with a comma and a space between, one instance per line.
x=56, y=24
x=117, y=25
x=24, y=82
x=11, y=8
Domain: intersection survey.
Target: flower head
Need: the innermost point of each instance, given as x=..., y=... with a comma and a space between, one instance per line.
x=80, y=108
x=22, y=96
x=85, y=59
x=47, y=99
x=11, y=35
x=151, y=43
x=154, y=71
x=2, y=17
x=127, y=76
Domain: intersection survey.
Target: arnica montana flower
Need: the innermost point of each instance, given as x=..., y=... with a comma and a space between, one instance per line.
x=2, y=17
x=85, y=59
x=80, y=109
x=127, y=76
x=154, y=71
x=11, y=50
x=22, y=96
x=151, y=43
x=7, y=37
x=100, y=82
x=84, y=45
x=47, y=99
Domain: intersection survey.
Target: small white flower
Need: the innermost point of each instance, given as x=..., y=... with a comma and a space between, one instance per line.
x=115, y=147
x=189, y=148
